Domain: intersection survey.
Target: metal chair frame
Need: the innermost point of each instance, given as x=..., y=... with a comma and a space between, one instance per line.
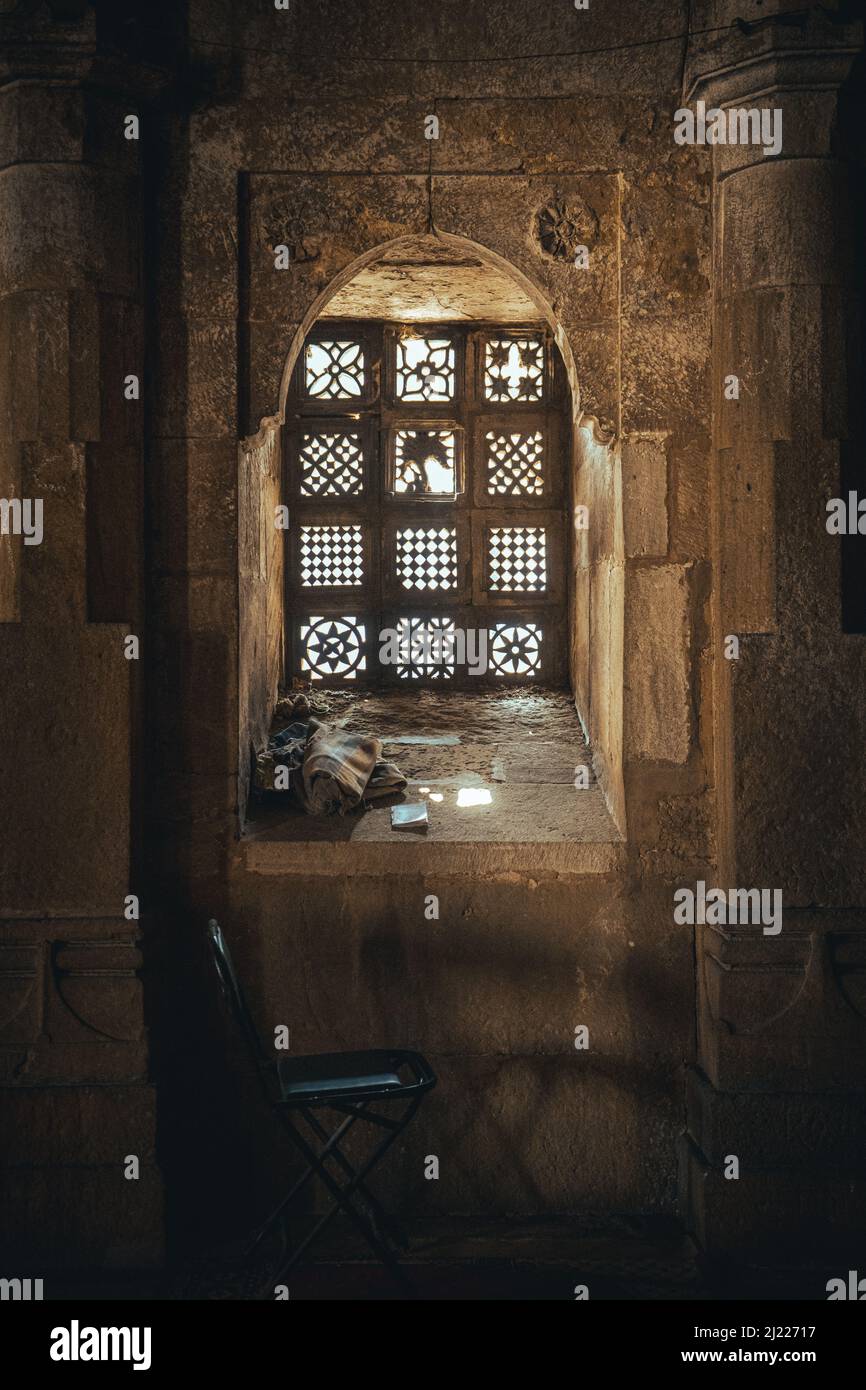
x=292, y=1087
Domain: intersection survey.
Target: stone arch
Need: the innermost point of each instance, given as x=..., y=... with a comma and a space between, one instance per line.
x=595, y=583
x=489, y=258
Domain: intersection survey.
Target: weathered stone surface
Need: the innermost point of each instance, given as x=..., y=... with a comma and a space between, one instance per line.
x=665, y=371
x=550, y=218
x=665, y=251
x=83, y=1217
x=802, y=236
x=644, y=496
x=556, y=130
x=657, y=701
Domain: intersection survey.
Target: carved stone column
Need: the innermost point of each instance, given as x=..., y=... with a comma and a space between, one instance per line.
x=782, y=1023
x=74, y=1088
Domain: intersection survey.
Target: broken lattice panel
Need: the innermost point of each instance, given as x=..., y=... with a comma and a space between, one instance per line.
x=425, y=463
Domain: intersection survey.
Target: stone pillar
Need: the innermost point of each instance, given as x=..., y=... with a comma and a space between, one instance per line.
x=781, y=1034
x=74, y=1086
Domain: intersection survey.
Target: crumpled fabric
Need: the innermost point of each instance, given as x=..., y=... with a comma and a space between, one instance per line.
x=330, y=771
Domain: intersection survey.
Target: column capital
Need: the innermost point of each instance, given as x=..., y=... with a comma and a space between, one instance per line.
x=747, y=61
x=67, y=41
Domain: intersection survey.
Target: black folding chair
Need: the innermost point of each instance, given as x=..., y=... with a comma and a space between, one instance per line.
x=345, y=1082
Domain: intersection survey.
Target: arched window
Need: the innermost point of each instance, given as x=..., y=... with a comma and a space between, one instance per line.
x=426, y=482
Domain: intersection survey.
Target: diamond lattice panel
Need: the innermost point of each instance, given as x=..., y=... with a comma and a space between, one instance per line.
x=514, y=369
x=332, y=465
x=515, y=649
x=427, y=557
x=333, y=647
x=515, y=464
x=425, y=369
x=334, y=370
x=426, y=647
x=331, y=556
x=425, y=463
x=516, y=559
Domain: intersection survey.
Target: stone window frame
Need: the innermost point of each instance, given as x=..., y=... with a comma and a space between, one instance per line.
x=380, y=511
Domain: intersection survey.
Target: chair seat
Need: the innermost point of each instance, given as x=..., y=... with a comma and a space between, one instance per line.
x=352, y=1076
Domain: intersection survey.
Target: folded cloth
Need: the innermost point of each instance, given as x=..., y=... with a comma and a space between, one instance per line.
x=337, y=767
x=386, y=780
x=329, y=771
x=285, y=750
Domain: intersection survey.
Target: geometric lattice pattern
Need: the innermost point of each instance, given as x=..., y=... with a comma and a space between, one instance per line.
x=332, y=465
x=331, y=555
x=425, y=463
x=334, y=370
x=333, y=647
x=515, y=464
x=517, y=559
x=426, y=647
x=427, y=557
x=514, y=369
x=425, y=369
x=515, y=649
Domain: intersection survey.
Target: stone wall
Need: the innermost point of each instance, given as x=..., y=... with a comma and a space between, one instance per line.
x=306, y=127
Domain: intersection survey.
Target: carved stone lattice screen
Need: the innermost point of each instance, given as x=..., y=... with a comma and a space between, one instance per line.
x=426, y=482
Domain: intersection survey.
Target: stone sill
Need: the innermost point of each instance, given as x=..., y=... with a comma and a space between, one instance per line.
x=514, y=753
x=543, y=834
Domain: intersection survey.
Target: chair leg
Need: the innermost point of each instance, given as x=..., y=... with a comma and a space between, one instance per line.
x=301, y=1182
x=378, y=1216
x=342, y=1200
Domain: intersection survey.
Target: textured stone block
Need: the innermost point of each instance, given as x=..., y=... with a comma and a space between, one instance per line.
x=326, y=223
x=666, y=251
x=644, y=496
x=657, y=687
x=66, y=767
x=786, y=223
x=549, y=218
x=665, y=371
x=78, y=1218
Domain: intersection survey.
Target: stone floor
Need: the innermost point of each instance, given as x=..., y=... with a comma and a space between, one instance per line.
x=494, y=769
x=630, y=1258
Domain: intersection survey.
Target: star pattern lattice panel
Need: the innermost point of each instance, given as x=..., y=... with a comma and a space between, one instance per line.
x=331, y=464
x=514, y=369
x=516, y=559
x=515, y=463
x=425, y=369
x=427, y=648
x=334, y=370
x=331, y=556
x=515, y=649
x=427, y=557
x=333, y=648
x=425, y=463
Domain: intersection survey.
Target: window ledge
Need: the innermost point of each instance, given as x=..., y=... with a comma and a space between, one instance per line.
x=497, y=772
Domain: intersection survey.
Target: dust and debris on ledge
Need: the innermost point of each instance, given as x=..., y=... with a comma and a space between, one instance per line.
x=510, y=758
